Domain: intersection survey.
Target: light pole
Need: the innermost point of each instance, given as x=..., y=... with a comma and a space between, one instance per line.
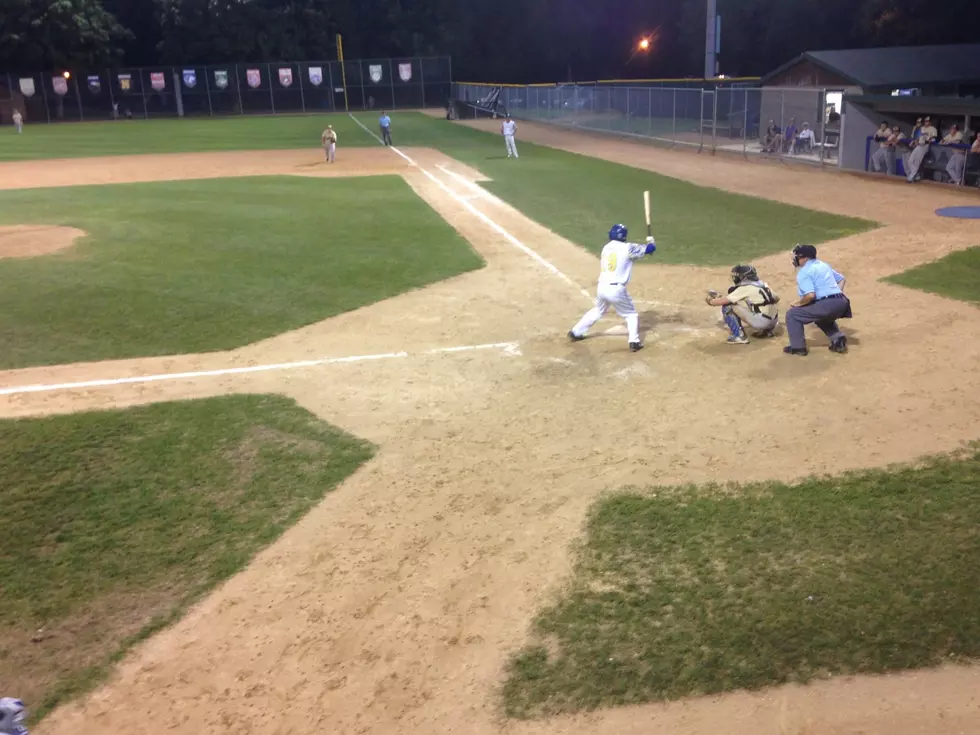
x=712, y=40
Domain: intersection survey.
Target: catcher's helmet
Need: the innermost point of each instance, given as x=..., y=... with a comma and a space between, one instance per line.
x=12, y=716
x=618, y=232
x=743, y=273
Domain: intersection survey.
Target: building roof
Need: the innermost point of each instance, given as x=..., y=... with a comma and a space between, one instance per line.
x=897, y=66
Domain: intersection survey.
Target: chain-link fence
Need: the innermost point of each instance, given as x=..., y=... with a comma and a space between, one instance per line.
x=791, y=122
x=227, y=89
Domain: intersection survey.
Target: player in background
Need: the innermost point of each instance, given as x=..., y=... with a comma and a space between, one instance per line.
x=385, y=123
x=509, y=129
x=750, y=301
x=329, y=142
x=18, y=121
x=616, y=267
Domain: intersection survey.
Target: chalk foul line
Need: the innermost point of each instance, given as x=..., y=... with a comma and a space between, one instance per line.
x=508, y=348
x=477, y=213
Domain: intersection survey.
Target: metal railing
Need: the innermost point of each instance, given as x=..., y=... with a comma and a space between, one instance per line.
x=226, y=89
x=720, y=118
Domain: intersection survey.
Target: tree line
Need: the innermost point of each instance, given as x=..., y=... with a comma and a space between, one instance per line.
x=489, y=40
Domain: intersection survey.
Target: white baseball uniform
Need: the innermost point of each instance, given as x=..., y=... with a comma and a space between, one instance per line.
x=18, y=121
x=509, y=129
x=617, y=260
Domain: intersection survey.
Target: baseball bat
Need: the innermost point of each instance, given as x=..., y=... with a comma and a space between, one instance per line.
x=646, y=211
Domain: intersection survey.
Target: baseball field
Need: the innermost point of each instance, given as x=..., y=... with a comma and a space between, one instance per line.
x=302, y=447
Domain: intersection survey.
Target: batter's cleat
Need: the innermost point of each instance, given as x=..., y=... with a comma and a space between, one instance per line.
x=636, y=346
x=803, y=351
x=740, y=339
x=574, y=337
x=839, y=345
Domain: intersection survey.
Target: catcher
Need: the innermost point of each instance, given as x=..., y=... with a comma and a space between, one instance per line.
x=750, y=301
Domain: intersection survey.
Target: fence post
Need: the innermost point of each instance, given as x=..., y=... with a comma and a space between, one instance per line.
x=650, y=112
x=823, y=124
x=745, y=126
x=422, y=79
x=207, y=89
x=78, y=99
x=714, y=123
x=272, y=99
x=360, y=66
x=673, y=113
x=238, y=89
x=44, y=93
x=299, y=73
x=391, y=81
x=333, y=94
x=701, y=123
x=112, y=99
x=146, y=112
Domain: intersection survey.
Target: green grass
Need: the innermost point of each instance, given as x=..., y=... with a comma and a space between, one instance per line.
x=580, y=198
x=956, y=276
x=695, y=591
x=190, y=135
x=194, y=266
x=576, y=196
x=114, y=522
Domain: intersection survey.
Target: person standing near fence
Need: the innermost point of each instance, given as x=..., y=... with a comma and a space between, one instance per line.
x=329, y=142
x=879, y=161
x=385, y=122
x=18, y=121
x=956, y=166
x=509, y=130
x=919, y=150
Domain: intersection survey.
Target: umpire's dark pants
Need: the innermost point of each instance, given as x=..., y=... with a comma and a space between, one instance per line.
x=386, y=135
x=822, y=312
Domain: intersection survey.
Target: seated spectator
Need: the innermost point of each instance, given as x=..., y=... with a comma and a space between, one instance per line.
x=919, y=150
x=772, y=139
x=879, y=160
x=789, y=137
x=805, y=139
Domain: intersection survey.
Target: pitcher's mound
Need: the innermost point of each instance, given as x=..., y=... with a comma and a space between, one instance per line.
x=26, y=241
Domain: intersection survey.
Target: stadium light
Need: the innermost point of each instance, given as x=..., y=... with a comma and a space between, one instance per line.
x=66, y=75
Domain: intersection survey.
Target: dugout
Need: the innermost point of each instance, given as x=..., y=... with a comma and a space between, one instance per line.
x=897, y=84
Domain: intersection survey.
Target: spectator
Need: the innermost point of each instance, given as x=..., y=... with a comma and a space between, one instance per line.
x=919, y=150
x=805, y=139
x=879, y=161
x=956, y=167
x=789, y=138
x=774, y=139
x=894, y=141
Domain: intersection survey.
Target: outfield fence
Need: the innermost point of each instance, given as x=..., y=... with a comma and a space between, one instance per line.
x=718, y=117
x=226, y=89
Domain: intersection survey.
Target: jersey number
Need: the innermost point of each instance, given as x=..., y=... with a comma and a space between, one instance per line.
x=611, y=262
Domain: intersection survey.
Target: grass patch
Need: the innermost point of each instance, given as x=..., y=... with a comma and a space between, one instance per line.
x=580, y=198
x=697, y=591
x=194, y=266
x=189, y=135
x=115, y=521
x=956, y=276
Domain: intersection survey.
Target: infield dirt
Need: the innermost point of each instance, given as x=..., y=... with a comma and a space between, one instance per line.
x=394, y=605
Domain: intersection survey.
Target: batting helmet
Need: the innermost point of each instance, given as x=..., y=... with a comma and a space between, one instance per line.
x=742, y=273
x=618, y=232
x=12, y=716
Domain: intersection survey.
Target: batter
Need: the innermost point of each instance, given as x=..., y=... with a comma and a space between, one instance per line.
x=616, y=260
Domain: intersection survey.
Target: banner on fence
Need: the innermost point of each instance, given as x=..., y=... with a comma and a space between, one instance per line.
x=158, y=81
x=125, y=82
x=316, y=75
x=221, y=78
x=405, y=72
x=60, y=85
x=374, y=71
x=190, y=78
x=286, y=77
x=254, y=77
x=27, y=86
x=95, y=84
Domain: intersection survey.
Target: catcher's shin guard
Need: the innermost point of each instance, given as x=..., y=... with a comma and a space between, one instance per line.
x=733, y=323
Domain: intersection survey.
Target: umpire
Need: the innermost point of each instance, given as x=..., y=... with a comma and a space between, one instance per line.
x=822, y=302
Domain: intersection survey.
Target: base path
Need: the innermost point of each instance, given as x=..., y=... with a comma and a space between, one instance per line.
x=393, y=606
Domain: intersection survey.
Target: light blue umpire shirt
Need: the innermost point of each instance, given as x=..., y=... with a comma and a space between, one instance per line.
x=385, y=121
x=818, y=278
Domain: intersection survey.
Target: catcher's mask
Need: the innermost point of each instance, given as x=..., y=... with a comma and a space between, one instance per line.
x=743, y=273
x=12, y=716
x=803, y=251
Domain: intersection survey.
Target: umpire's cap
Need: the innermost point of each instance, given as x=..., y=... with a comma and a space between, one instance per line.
x=805, y=251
